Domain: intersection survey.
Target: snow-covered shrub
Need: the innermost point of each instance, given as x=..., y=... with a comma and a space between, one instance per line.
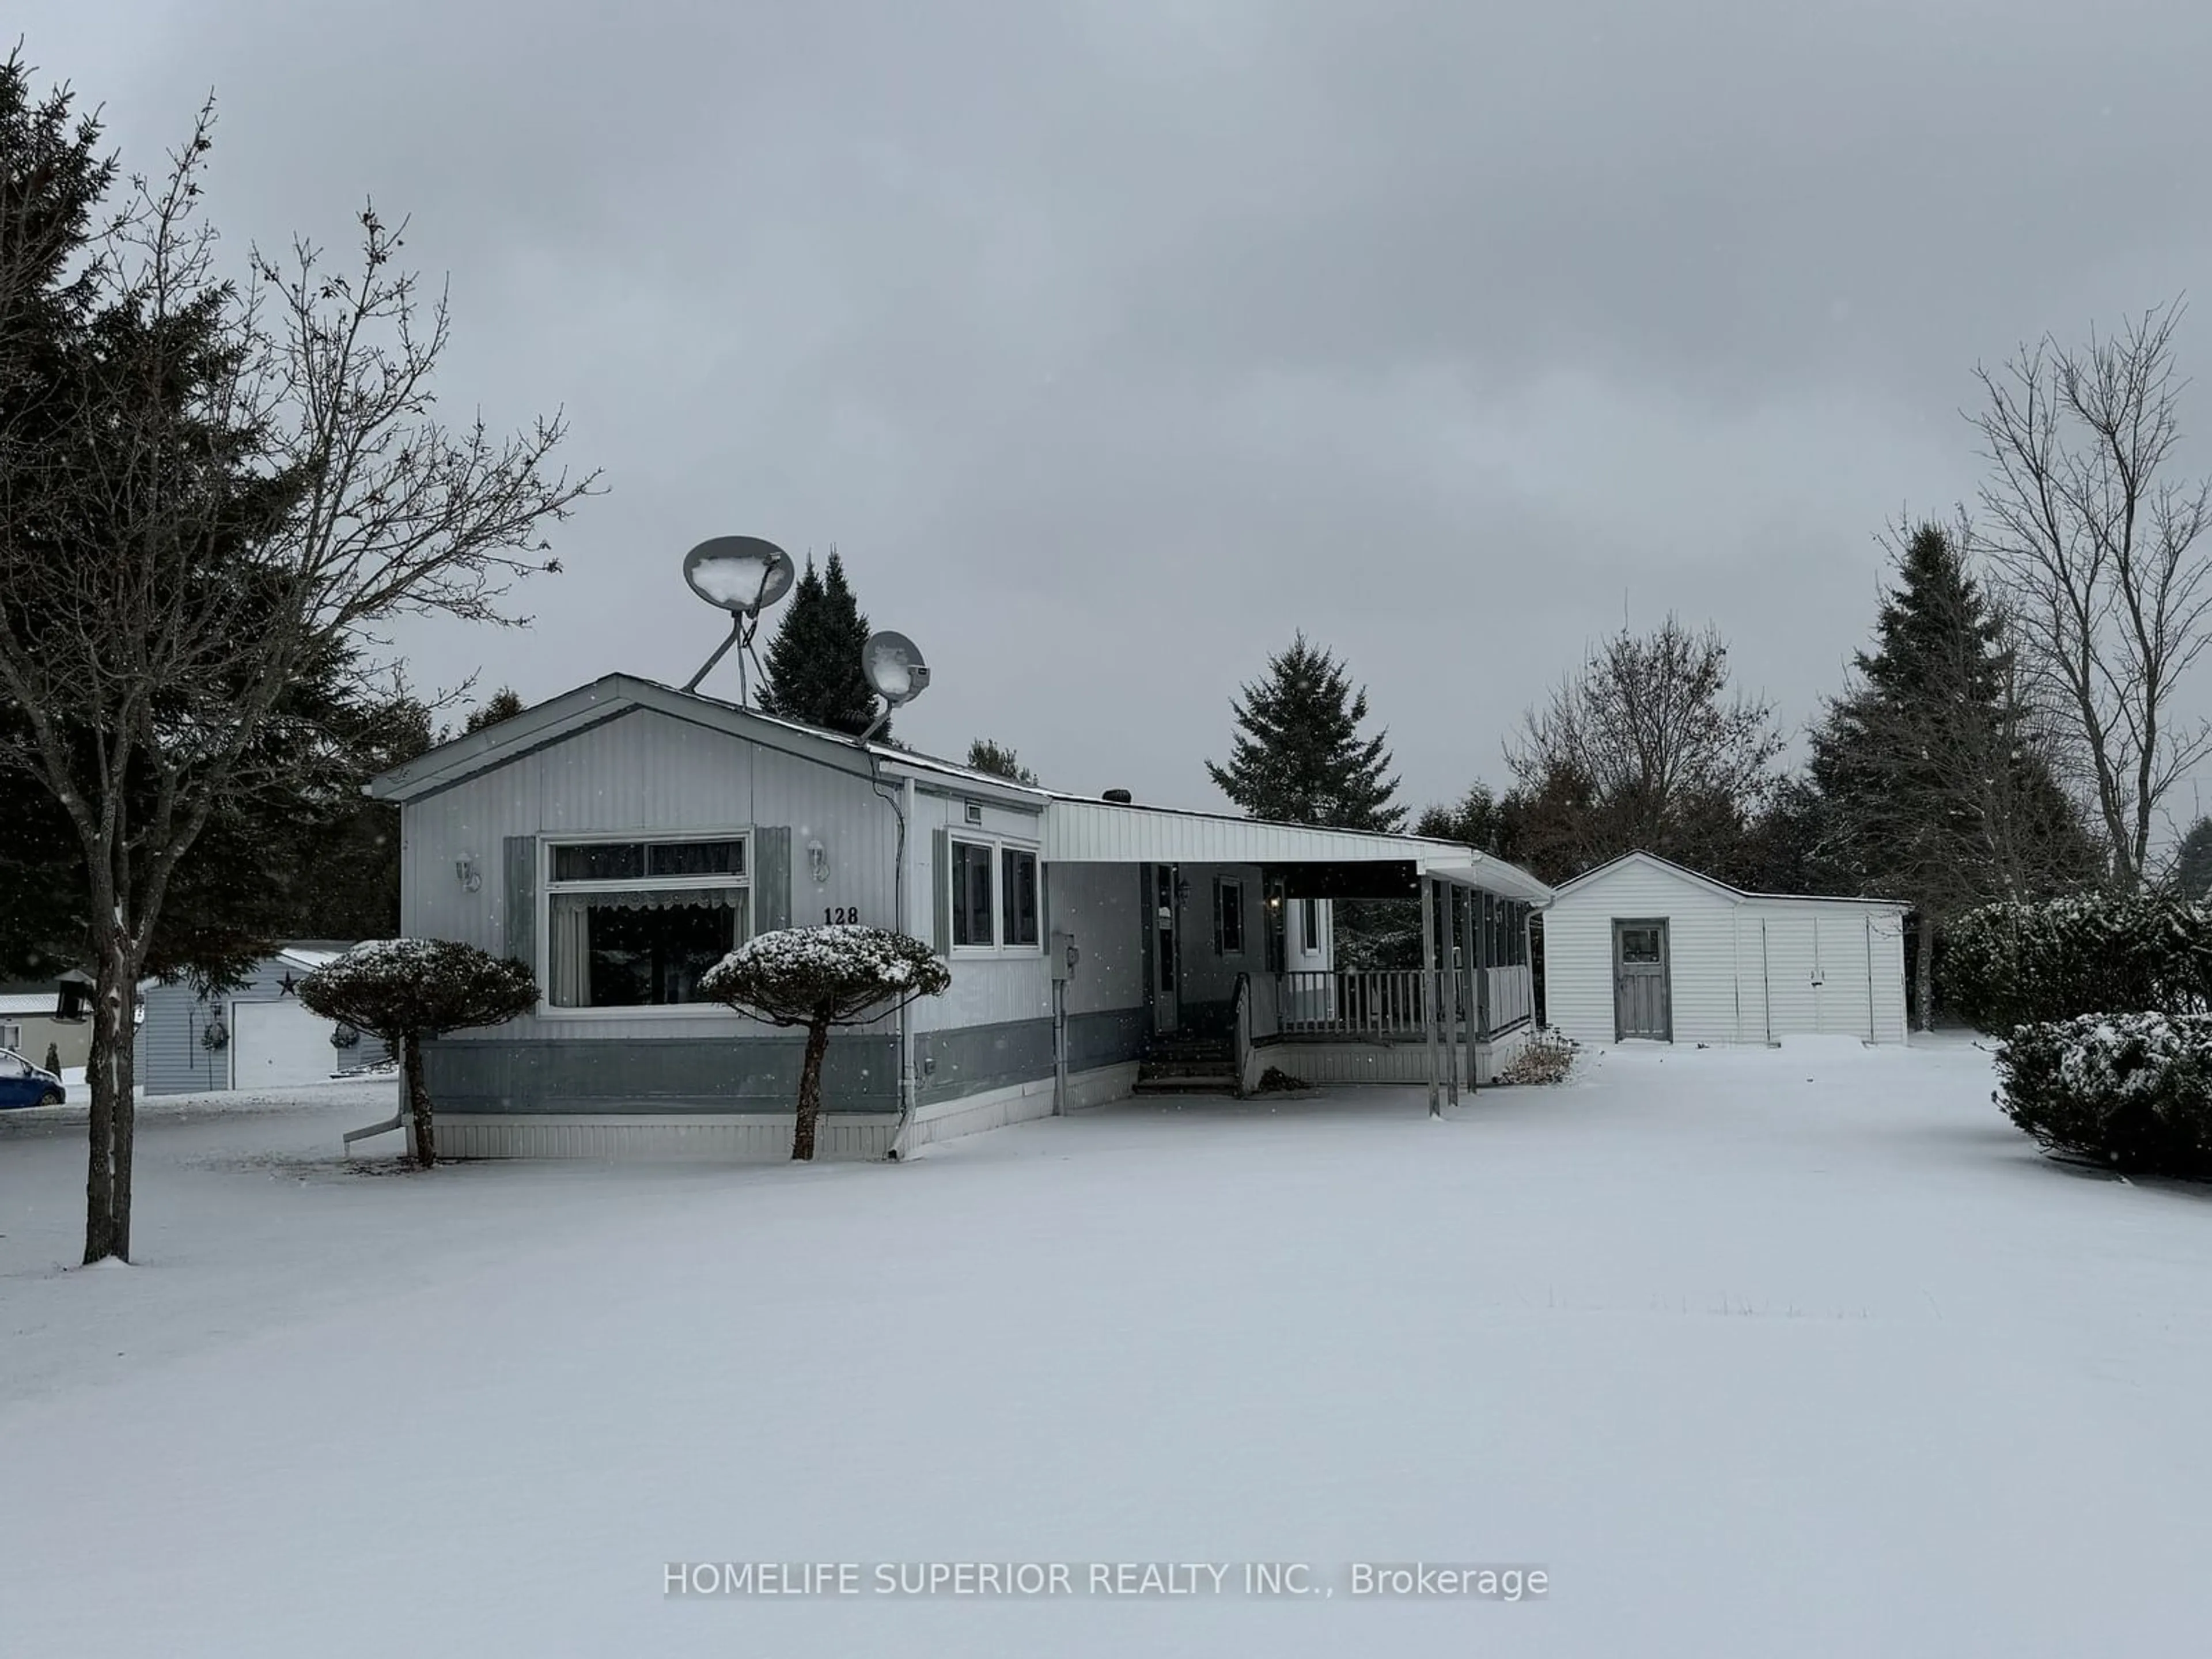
x=2011, y=964
x=2131, y=1089
x=818, y=977
x=1545, y=1057
x=406, y=989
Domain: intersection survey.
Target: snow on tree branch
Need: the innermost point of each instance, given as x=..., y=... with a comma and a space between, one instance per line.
x=842, y=974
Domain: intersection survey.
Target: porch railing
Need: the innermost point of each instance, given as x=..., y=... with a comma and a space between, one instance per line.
x=1374, y=1003
x=1512, y=996
x=1390, y=1005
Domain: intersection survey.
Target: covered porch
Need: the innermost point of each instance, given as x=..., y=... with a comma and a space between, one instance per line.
x=1450, y=1024
x=1236, y=950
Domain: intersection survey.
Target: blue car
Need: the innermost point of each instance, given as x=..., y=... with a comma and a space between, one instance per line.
x=23, y=1084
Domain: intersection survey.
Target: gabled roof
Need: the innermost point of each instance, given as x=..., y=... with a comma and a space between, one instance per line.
x=1734, y=895
x=613, y=695
x=1077, y=828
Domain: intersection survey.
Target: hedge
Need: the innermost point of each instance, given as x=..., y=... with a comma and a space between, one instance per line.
x=2016, y=965
x=2130, y=1090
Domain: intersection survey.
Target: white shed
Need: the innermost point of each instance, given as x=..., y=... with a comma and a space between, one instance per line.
x=1642, y=948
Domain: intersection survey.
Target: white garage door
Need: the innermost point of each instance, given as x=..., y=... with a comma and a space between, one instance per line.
x=278, y=1044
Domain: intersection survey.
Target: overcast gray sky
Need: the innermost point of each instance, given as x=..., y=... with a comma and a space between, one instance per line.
x=1112, y=342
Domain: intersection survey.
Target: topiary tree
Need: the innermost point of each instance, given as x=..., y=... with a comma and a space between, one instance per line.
x=817, y=978
x=405, y=989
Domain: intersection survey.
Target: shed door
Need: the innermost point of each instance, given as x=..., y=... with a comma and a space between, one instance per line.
x=1643, y=1004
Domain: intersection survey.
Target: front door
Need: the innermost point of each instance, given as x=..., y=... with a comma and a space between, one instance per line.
x=1166, y=909
x=1643, y=1004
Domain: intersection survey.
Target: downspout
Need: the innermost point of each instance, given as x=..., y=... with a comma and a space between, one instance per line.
x=901, y=805
x=1873, y=1031
x=1765, y=983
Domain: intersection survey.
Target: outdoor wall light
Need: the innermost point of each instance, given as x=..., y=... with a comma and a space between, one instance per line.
x=818, y=861
x=465, y=871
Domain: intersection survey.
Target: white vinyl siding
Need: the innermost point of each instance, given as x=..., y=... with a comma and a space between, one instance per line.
x=659, y=778
x=1700, y=944
x=1729, y=958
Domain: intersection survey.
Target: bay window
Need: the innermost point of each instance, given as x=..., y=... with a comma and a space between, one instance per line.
x=635, y=924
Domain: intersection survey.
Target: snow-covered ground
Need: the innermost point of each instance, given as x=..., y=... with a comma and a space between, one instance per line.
x=1804, y=1353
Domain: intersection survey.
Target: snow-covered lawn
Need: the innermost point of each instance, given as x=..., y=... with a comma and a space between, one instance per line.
x=1797, y=1353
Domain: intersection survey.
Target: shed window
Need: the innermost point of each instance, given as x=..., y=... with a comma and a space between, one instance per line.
x=1639, y=945
x=635, y=924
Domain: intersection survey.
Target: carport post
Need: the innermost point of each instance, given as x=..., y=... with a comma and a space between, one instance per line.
x=1429, y=991
x=1448, y=986
x=1477, y=982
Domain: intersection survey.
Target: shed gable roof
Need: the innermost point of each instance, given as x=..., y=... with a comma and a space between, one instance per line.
x=1734, y=895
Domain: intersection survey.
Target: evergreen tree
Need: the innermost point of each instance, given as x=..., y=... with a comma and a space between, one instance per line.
x=1933, y=786
x=503, y=704
x=984, y=754
x=2192, y=867
x=1481, y=818
x=1298, y=756
x=813, y=665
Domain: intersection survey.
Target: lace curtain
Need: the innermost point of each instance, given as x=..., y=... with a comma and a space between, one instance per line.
x=568, y=949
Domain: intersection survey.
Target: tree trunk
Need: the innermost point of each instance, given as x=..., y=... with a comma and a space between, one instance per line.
x=810, y=1091
x=1923, y=971
x=418, y=1099
x=111, y=1070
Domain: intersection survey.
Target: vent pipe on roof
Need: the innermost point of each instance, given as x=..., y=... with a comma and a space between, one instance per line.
x=1119, y=797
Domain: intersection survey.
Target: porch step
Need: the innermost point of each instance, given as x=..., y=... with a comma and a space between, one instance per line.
x=1209, y=1083
x=1178, y=1064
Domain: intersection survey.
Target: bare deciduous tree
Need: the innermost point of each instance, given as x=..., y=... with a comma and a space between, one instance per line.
x=203, y=485
x=1646, y=748
x=2094, y=551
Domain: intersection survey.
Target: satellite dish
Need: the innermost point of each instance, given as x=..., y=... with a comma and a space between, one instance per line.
x=742, y=574
x=894, y=666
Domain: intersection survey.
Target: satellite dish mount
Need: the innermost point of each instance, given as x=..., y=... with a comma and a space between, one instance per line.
x=742, y=575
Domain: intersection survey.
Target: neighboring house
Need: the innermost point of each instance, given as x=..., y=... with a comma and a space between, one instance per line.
x=257, y=1035
x=621, y=838
x=1641, y=948
x=39, y=1014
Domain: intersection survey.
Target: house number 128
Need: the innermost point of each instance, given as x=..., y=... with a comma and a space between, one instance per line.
x=835, y=914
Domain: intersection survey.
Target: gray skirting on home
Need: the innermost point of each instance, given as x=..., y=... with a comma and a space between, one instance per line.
x=573, y=1075
x=656, y=1074
x=1113, y=1037
x=969, y=1059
